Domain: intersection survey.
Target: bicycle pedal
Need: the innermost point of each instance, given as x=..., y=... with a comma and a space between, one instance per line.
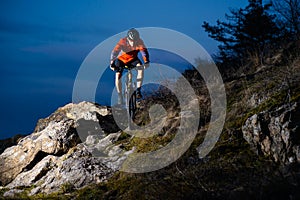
x=140, y=104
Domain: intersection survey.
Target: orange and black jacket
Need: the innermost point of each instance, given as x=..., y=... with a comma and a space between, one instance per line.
x=129, y=53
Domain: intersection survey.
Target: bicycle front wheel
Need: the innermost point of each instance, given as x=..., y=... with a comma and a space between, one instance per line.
x=131, y=109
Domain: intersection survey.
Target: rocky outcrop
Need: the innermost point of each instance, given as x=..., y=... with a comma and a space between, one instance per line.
x=62, y=151
x=4, y=144
x=275, y=133
x=56, y=139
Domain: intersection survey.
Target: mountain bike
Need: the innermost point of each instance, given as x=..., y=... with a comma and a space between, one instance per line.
x=130, y=97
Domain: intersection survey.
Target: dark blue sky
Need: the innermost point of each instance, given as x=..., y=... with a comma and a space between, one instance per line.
x=43, y=44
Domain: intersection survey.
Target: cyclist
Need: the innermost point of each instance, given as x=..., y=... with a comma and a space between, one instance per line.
x=129, y=47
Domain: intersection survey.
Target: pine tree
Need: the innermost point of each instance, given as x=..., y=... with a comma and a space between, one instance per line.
x=249, y=31
x=289, y=16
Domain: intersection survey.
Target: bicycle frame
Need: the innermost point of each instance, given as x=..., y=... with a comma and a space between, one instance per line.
x=130, y=98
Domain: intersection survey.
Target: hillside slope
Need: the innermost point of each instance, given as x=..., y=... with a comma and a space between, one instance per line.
x=256, y=157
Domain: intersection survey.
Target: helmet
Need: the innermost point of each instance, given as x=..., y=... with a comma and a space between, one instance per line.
x=133, y=34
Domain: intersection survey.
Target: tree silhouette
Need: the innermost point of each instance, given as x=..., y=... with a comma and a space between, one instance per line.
x=289, y=12
x=249, y=31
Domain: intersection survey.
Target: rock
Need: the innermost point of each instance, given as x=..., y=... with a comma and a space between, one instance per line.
x=82, y=112
x=55, y=139
x=4, y=144
x=75, y=169
x=274, y=133
x=252, y=130
x=12, y=193
x=54, y=155
x=256, y=100
x=107, y=152
x=39, y=170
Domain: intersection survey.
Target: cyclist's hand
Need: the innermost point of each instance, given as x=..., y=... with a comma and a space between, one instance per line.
x=112, y=67
x=146, y=65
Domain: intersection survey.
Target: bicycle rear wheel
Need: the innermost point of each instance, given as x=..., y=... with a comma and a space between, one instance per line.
x=131, y=108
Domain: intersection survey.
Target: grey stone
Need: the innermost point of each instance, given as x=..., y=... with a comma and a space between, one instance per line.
x=271, y=133
x=54, y=155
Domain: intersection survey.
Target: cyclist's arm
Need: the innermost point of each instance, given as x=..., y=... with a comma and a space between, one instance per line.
x=115, y=52
x=144, y=51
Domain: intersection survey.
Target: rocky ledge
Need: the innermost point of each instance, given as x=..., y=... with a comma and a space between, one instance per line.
x=275, y=133
x=55, y=154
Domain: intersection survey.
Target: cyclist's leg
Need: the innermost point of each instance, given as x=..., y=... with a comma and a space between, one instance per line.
x=140, y=75
x=118, y=79
x=118, y=82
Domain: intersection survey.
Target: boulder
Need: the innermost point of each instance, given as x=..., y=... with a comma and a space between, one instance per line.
x=56, y=139
x=274, y=133
x=69, y=147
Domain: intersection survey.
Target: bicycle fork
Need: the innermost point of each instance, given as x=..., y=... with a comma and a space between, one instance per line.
x=130, y=96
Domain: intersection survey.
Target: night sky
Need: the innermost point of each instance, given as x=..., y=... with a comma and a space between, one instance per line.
x=43, y=44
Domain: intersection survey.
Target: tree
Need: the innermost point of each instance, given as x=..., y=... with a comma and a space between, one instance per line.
x=249, y=31
x=289, y=12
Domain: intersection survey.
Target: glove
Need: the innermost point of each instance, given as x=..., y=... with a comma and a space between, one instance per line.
x=146, y=65
x=112, y=66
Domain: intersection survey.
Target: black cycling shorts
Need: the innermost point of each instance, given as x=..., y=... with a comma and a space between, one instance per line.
x=119, y=65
